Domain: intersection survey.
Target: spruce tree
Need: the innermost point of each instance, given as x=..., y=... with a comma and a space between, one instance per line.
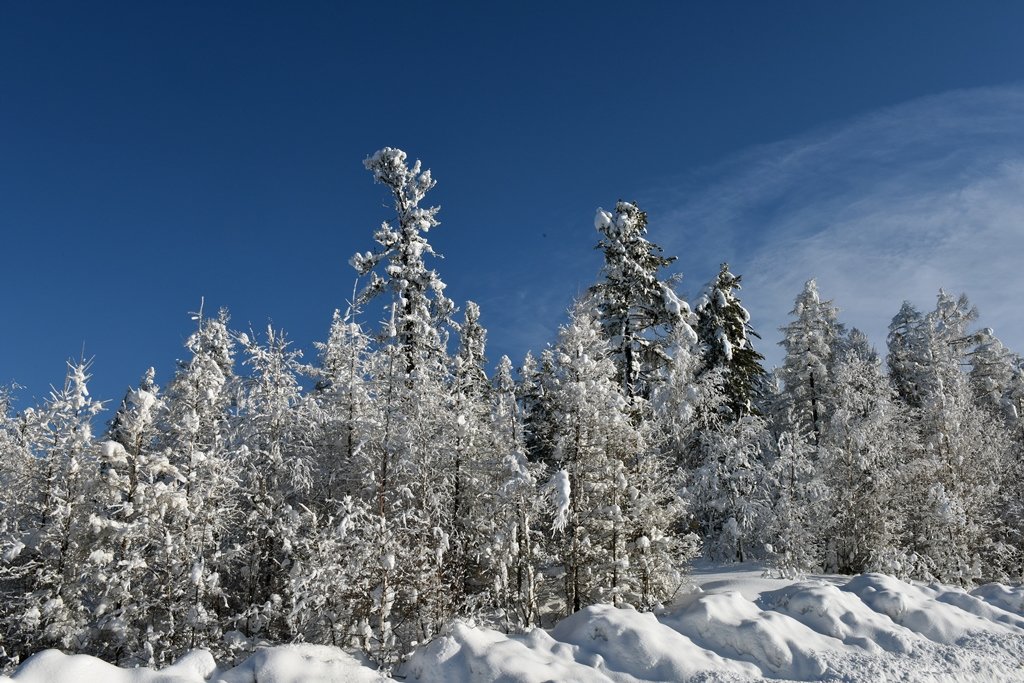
x=724, y=330
x=636, y=307
x=617, y=497
x=408, y=460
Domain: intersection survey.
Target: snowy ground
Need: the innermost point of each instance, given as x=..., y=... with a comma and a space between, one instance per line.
x=736, y=625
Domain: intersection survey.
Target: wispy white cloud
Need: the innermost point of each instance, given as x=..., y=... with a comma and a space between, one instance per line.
x=889, y=206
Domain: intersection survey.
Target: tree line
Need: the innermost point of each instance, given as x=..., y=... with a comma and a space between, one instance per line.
x=409, y=486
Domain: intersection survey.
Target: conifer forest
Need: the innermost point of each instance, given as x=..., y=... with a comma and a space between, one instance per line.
x=402, y=478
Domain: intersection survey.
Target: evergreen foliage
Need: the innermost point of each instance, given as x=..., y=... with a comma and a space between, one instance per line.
x=725, y=332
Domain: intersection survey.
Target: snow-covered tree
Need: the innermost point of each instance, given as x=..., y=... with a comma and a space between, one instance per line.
x=535, y=394
x=811, y=341
x=127, y=512
x=906, y=359
x=408, y=460
x=636, y=307
x=992, y=374
x=343, y=393
x=474, y=450
x=45, y=547
x=685, y=403
x=195, y=440
x=725, y=333
x=276, y=436
x=867, y=438
x=594, y=435
x=419, y=307
x=954, y=533
x=798, y=508
x=730, y=491
x=18, y=477
x=338, y=596
x=516, y=509
x=617, y=501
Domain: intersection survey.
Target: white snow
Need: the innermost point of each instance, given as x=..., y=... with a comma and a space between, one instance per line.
x=561, y=492
x=302, y=664
x=113, y=452
x=732, y=623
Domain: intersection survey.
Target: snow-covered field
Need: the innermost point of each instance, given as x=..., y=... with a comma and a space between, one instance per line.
x=735, y=625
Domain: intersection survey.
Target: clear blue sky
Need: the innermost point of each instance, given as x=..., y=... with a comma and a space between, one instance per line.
x=153, y=153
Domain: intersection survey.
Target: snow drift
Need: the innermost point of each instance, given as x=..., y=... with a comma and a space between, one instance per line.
x=735, y=625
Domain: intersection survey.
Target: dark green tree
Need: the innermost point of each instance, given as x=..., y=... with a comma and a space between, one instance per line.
x=724, y=331
x=635, y=307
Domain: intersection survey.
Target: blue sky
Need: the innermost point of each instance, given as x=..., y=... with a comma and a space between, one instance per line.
x=154, y=153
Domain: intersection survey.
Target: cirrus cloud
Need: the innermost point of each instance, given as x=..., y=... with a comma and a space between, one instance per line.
x=887, y=207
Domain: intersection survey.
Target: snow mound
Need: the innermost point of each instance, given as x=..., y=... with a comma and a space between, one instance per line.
x=53, y=666
x=736, y=624
x=736, y=628
x=826, y=609
x=302, y=663
x=923, y=610
x=1009, y=598
x=624, y=642
x=473, y=654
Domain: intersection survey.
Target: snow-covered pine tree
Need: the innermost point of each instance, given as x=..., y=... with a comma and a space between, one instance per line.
x=194, y=435
x=516, y=509
x=1012, y=498
x=617, y=497
x=18, y=477
x=637, y=309
x=725, y=333
x=798, y=507
x=906, y=343
x=594, y=434
x=867, y=438
x=535, y=395
x=420, y=309
x=991, y=374
x=954, y=525
x=344, y=394
x=811, y=342
x=801, y=412
x=46, y=545
x=727, y=450
x=409, y=458
x=276, y=435
x=683, y=405
x=477, y=453
x=126, y=509
x=730, y=491
x=335, y=578
x=971, y=452
x=1015, y=397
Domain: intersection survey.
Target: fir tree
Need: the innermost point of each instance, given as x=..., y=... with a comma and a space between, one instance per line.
x=617, y=497
x=408, y=460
